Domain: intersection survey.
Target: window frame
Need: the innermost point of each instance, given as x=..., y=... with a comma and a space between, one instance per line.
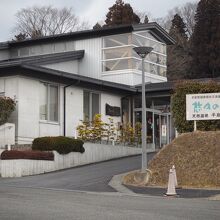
x=91, y=92
x=48, y=84
x=133, y=34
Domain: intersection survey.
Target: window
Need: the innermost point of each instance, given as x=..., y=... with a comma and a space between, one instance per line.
x=48, y=102
x=91, y=105
x=118, y=54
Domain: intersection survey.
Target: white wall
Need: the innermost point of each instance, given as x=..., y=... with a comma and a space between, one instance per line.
x=7, y=135
x=4, y=54
x=90, y=65
x=74, y=109
x=9, y=86
x=27, y=117
x=28, y=109
x=29, y=124
x=132, y=77
x=113, y=100
x=68, y=66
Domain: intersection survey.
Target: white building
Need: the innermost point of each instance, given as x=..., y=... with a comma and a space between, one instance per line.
x=59, y=80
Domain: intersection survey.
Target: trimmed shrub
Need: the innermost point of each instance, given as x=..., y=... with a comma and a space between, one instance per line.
x=178, y=105
x=63, y=145
x=30, y=155
x=7, y=106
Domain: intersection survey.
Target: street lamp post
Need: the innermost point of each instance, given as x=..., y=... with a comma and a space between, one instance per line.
x=142, y=52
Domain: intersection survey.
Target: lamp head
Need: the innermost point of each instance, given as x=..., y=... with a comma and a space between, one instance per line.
x=142, y=51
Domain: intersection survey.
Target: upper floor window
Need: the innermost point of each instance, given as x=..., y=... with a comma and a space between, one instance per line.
x=43, y=49
x=118, y=54
x=48, y=102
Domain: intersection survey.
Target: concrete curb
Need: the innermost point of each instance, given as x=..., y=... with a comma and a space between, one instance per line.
x=215, y=198
x=116, y=184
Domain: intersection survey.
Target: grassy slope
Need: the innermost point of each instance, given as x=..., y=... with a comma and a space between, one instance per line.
x=196, y=157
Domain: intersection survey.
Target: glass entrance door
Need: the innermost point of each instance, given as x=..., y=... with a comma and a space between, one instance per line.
x=158, y=128
x=157, y=131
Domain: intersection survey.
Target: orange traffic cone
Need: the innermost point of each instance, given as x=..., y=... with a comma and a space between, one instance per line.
x=171, y=191
x=174, y=174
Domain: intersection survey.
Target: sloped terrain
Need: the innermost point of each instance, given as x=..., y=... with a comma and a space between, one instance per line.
x=196, y=157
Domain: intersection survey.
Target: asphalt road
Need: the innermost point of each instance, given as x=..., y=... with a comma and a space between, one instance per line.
x=93, y=177
x=31, y=204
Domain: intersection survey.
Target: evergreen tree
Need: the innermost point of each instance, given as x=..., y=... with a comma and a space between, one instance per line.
x=178, y=54
x=20, y=37
x=206, y=40
x=146, y=19
x=97, y=26
x=121, y=13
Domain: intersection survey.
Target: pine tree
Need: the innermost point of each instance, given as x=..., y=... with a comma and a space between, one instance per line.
x=206, y=40
x=177, y=54
x=97, y=26
x=20, y=37
x=146, y=19
x=121, y=13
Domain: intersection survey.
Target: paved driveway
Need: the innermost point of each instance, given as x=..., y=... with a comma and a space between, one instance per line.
x=94, y=177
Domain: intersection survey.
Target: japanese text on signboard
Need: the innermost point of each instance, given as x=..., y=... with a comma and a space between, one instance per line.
x=204, y=106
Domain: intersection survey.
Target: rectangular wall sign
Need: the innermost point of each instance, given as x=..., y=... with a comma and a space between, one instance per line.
x=205, y=106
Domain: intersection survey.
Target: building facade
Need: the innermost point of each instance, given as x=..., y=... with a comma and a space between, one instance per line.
x=59, y=80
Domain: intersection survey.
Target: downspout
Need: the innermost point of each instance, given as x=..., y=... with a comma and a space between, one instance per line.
x=64, y=105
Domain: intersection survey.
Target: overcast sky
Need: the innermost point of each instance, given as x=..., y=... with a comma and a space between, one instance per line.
x=92, y=10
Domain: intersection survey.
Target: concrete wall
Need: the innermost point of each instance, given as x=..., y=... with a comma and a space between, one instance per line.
x=93, y=153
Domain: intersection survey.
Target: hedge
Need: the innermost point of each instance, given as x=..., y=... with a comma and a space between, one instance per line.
x=28, y=154
x=7, y=106
x=178, y=105
x=63, y=145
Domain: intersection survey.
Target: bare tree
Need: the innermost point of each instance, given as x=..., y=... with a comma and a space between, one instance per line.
x=47, y=20
x=187, y=12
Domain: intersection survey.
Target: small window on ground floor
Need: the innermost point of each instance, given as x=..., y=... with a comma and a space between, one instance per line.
x=91, y=104
x=48, y=102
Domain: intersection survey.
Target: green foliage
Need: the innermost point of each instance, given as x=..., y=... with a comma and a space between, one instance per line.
x=205, y=40
x=7, y=106
x=138, y=128
x=127, y=134
x=178, y=105
x=121, y=13
x=178, y=54
x=61, y=144
x=97, y=128
x=110, y=130
x=98, y=131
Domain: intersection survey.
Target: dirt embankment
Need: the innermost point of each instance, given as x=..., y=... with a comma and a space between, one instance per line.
x=196, y=157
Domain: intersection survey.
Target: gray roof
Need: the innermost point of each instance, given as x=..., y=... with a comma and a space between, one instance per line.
x=44, y=59
x=64, y=77
x=155, y=29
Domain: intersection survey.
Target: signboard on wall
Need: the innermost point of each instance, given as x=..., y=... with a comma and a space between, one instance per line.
x=205, y=106
x=112, y=110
